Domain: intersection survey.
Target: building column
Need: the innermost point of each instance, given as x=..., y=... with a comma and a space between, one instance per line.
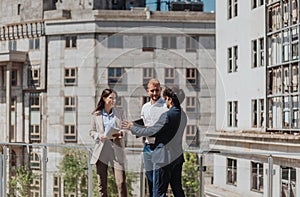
x=8, y=102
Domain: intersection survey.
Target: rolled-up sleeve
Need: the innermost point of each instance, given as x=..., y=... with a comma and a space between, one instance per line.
x=149, y=131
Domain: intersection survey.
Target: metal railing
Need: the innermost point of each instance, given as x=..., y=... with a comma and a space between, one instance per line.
x=45, y=150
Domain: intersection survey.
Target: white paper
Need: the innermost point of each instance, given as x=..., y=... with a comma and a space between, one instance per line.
x=111, y=131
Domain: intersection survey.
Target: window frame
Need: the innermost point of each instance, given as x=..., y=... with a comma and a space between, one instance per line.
x=71, y=41
x=115, y=78
x=231, y=170
x=68, y=135
x=69, y=79
x=70, y=103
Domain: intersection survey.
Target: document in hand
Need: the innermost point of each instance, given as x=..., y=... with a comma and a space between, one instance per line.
x=111, y=131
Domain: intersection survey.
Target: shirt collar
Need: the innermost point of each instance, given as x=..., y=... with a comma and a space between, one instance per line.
x=108, y=115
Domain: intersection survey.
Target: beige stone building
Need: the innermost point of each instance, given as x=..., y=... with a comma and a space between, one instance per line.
x=56, y=57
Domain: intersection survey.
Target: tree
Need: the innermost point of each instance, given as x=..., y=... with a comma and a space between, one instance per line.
x=73, y=166
x=20, y=183
x=190, y=179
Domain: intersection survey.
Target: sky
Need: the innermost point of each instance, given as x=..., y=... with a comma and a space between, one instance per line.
x=209, y=5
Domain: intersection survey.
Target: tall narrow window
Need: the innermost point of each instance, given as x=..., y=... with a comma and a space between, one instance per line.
x=34, y=102
x=34, y=76
x=192, y=136
x=115, y=41
x=56, y=186
x=191, y=43
x=149, y=43
x=232, y=59
x=35, y=185
x=71, y=41
x=169, y=76
x=35, y=135
x=192, y=76
x=19, y=9
x=34, y=43
x=70, y=103
x=14, y=77
x=169, y=42
x=70, y=76
x=257, y=181
x=232, y=8
x=254, y=53
x=232, y=114
x=148, y=73
x=70, y=134
x=191, y=104
x=288, y=181
x=115, y=75
x=231, y=171
x=34, y=161
x=12, y=45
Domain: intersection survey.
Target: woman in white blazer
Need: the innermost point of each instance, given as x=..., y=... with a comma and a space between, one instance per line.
x=108, y=149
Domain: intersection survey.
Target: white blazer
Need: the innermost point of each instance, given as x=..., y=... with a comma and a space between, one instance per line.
x=117, y=144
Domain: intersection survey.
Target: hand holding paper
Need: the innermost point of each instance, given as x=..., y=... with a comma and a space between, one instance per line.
x=109, y=132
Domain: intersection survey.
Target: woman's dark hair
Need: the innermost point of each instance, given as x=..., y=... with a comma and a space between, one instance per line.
x=105, y=93
x=176, y=94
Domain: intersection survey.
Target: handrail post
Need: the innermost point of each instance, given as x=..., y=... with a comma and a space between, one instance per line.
x=142, y=178
x=1, y=175
x=270, y=176
x=44, y=172
x=4, y=170
x=90, y=177
x=201, y=175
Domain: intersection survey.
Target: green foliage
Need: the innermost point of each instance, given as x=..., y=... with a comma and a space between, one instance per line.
x=73, y=166
x=20, y=183
x=190, y=179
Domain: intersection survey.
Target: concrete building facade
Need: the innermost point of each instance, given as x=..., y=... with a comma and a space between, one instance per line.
x=55, y=63
x=257, y=98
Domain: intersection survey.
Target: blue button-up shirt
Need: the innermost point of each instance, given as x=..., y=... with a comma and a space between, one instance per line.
x=108, y=120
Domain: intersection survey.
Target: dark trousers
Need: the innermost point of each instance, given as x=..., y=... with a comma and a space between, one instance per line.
x=119, y=173
x=171, y=173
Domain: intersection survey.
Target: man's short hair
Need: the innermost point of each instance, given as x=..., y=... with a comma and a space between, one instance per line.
x=154, y=82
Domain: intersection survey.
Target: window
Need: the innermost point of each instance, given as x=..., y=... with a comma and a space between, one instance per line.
x=191, y=104
x=148, y=73
x=12, y=45
x=169, y=76
x=71, y=41
x=19, y=9
x=35, y=76
x=288, y=181
x=192, y=136
x=13, y=133
x=35, y=135
x=149, y=43
x=232, y=113
x=115, y=75
x=232, y=58
x=34, y=43
x=34, y=161
x=70, y=103
x=192, y=76
x=115, y=41
x=70, y=76
x=56, y=186
x=34, y=101
x=295, y=43
x=257, y=113
x=70, y=134
x=232, y=8
x=35, y=186
x=119, y=102
x=13, y=103
x=146, y=99
x=257, y=181
x=169, y=42
x=232, y=171
x=256, y=3
x=14, y=77
x=191, y=43
x=257, y=53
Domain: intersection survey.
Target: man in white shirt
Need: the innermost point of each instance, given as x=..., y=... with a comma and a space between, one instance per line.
x=150, y=114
